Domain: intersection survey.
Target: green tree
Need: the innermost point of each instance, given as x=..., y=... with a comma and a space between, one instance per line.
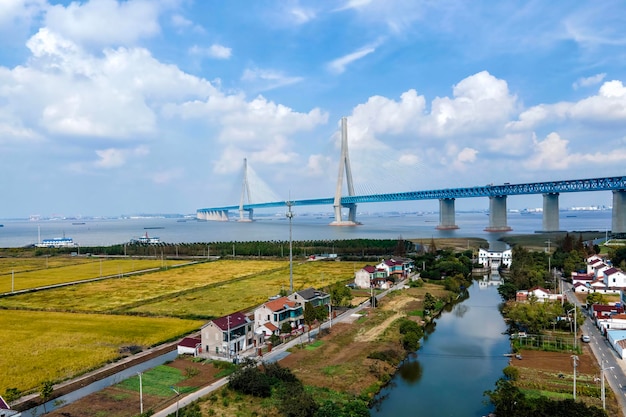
x=47, y=389
x=430, y=302
x=12, y=394
x=507, y=291
x=340, y=294
x=309, y=317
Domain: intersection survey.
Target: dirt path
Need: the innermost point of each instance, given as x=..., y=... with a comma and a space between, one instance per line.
x=375, y=331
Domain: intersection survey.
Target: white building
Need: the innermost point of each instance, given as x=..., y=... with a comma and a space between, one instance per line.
x=495, y=259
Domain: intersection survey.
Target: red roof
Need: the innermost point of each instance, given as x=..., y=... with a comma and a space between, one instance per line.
x=270, y=326
x=369, y=268
x=280, y=304
x=190, y=342
x=611, y=271
x=231, y=321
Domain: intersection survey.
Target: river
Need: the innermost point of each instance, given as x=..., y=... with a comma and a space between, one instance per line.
x=455, y=364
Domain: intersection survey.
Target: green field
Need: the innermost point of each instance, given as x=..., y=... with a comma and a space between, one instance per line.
x=60, y=333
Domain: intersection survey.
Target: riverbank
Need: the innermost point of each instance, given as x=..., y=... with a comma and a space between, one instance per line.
x=347, y=361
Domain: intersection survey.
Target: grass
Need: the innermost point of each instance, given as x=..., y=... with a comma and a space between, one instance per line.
x=39, y=346
x=158, y=381
x=314, y=345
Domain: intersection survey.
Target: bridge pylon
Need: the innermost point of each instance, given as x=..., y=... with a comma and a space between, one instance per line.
x=344, y=165
x=245, y=192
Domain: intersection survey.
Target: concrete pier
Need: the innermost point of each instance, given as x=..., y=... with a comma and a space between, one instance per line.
x=497, y=214
x=618, y=217
x=550, y=219
x=242, y=215
x=446, y=214
x=213, y=215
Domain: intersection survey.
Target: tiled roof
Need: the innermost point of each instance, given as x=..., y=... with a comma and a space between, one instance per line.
x=231, y=321
x=190, y=342
x=611, y=271
x=280, y=303
x=369, y=268
x=311, y=293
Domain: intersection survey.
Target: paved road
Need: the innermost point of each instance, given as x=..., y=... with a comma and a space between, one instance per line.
x=278, y=353
x=615, y=367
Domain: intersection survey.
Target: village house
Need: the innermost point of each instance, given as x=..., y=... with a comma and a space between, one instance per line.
x=189, y=346
x=613, y=322
x=495, y=259
x=538, y=293
x=228, y=335
x=311, y=296
x=364, y=277
x=614, y=278
x=272, y=314
x=617, y=340
x=602, y=311
x=400, y=268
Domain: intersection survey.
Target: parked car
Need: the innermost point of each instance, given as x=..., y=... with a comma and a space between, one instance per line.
x=585, y=338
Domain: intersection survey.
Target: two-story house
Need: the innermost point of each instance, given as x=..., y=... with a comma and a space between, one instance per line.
x=278, y=311
x=312, y=296
x=228, y=335
x=369, y=276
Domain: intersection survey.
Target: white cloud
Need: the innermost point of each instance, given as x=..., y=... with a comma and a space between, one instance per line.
x=114, y=158
x=588, y=81
x=302, y=15
x=214, y=51
x=339, y=65
x=266, y=79
x=168, y=176
x=105, y=22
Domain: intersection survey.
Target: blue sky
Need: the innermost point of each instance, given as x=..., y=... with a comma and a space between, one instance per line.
x=149, y=106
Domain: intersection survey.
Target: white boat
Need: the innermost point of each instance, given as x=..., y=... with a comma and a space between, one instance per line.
x=146, y=239
x=57, y=242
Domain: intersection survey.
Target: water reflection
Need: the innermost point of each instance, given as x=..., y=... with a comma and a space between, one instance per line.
x=411, y=370
x=455, y=364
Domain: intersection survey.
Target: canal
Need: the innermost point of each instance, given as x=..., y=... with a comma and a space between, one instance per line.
x=459, y=359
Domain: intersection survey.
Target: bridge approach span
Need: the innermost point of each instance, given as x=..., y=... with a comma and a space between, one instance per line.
x=497, y=195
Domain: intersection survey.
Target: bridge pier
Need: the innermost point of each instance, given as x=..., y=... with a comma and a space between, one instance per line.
x=213, y=215
x=618, y=215
x=497, y=214
x=550, y=220
x=446, y=214
x=242, y=215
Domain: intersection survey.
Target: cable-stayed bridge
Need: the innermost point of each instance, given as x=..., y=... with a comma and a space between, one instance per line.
x=497, y=195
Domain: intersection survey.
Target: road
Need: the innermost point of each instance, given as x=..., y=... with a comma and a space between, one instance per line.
x=614, y=366
x=278, y=353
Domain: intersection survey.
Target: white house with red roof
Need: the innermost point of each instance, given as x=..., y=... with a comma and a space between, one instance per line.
x=278, y=311
x=367, y=276
x=614, y=278
x=539, y=293
x=189, y=346
x=228, y=335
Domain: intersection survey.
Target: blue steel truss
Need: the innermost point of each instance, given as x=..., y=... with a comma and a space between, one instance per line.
x=490, y=190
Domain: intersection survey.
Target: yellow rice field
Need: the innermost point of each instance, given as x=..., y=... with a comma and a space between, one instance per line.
x=65, y=341
x=235, y=296
x=112, y=294
x=19, y=274
x=38, y=346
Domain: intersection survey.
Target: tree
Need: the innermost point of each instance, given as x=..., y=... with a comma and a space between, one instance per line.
x=595, y=298
x=46, y=392
x=340, y=294
x=12, y=394
x=430, y=302
x=309, y=317
x=507, y=291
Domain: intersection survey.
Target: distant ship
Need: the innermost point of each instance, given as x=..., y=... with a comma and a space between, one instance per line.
x=57, y=242
x=146, y=239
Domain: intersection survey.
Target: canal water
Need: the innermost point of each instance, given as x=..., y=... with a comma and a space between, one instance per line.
x=457, y=361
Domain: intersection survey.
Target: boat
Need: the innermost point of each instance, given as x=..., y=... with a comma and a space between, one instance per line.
x=57, y=242
x=145, y=239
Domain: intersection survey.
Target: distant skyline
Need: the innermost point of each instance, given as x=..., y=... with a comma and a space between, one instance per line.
x=150, y=106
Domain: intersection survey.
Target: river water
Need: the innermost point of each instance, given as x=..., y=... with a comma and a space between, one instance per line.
x=455, y=364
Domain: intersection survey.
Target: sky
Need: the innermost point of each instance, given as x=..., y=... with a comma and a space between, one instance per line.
x=112, y=107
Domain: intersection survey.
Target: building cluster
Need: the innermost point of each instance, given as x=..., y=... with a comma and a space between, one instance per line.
x=600, y=276
x=383, y=275
x=233, y=334
x=230, y=335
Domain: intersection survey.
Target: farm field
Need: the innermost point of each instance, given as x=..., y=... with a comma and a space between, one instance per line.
x=25, y=273
x=61, y=333
x=39, y=346
x=113, y=294
x=230, y=296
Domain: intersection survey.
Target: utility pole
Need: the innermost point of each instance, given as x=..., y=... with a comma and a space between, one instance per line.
x=140, y=394
x=290, y=216
x=602, y=369
x=575, y=358
x=228, y=337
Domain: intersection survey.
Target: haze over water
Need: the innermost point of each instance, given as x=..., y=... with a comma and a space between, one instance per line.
x=18, y=233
